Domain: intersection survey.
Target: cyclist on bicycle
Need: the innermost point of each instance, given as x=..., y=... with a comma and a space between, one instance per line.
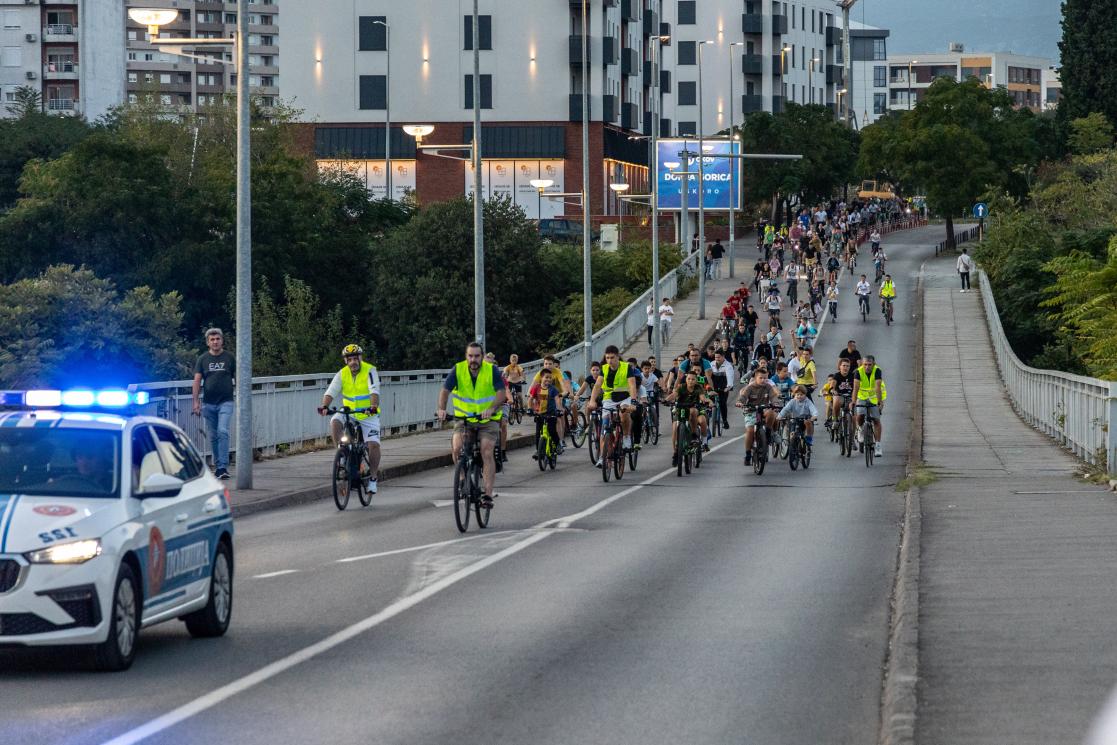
x=617, y=386
x=874, y=239
x=478, y=393
x=514, y=377
x=887, y=292
x=359, y=387
x=783, y=381
x=833, y=266
x=864, y=289
x=801, y=407
x=878, y=265
x=722, y=379
x=545, y=400
x=550, y=362
x=760, y=392
x=689, y=395
x=869, y=399
x=841, y=390
x=805, y=334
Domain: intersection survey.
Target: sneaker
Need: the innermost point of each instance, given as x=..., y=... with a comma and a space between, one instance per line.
x=627, y=442
x=879, y=451
x=810, y=440
x=598, y=463
x=637, y=446
x=222, y=473
x=725, y=427
x=503, y=456
x=705, y=447
x=372, y=486
x=829, y=423
x=487, y=503
x=748, y=459
x=674, y=460
x=535, y=456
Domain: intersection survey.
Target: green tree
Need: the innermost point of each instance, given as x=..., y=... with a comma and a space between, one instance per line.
x=34, y=135
x=1085, y=296
x=27, y=101
x=294, y=336
x=1088, y=54
x=1090, y=134
x=569, y=314
x=68, y=324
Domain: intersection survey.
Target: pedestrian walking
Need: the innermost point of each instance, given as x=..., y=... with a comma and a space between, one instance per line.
x=666, y=313
x=214, y=378
x=651, y=311
x=965, y=266
x=717, y=251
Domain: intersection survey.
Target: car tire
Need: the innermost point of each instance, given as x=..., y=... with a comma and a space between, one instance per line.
x=117, y=652
x=213, y=620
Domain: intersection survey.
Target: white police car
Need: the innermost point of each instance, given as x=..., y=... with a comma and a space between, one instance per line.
x=108, y=523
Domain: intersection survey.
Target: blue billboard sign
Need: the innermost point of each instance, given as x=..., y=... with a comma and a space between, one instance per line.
x=716, y=175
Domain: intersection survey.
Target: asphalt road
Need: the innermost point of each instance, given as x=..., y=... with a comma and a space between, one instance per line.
x=718, y=607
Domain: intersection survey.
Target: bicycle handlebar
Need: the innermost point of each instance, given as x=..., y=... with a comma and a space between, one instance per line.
x=347, y=410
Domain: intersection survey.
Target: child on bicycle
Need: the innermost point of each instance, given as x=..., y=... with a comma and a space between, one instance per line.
x=801, y=407
x=546, y=403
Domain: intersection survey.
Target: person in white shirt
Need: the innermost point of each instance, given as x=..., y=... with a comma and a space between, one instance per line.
x=723, y=379
x=832, y=299
x=965, y=266
x=874, y=238
x=864, y=289
x=666, y=313
x=651, y=311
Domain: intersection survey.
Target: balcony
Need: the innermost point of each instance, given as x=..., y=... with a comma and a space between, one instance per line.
x=751, y=103
x=752, y=23
x=664, y=81
x=752, y=64
x=834, y=75
x=630, y=62
x=777, y=65
x=576, y=51
x=62, y=106
x=60, y=32
x=833, y=36
x=651, y=23
x=60, y=70
x=630, y=10
x=609, y=50
x=650, y=71
x=609, y=109
x=576, y=107
x=779, y=25
x=630, y=116
x=777, y=104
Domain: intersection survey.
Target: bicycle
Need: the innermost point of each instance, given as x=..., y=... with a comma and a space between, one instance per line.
x=575, y=427
x=879, y=272
x=798, y=449
x=760, y=442
x=593, y=437
x=546, y=449
x=715, y=420
x=688, y=448
x=863, y=303
x=867, y=443
x=469, y=481
x=517, y=410
x=844, y=431
x=351, y=453
x=612, y=455
x=651, y=420
x=887, y=310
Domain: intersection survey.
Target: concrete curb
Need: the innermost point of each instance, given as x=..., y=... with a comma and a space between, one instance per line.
x=898, y=703
x=325, y=491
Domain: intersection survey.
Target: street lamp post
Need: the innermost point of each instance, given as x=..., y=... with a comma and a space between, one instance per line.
x=733, y=167
x=910, y=63
x=478, y=220
x=387, y=106
x=655, y=43
x=701, y=192
x=587, y=279
x=153, y=18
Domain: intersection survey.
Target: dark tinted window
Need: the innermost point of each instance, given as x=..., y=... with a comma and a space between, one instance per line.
x=372, y=36
x=179, y=460
x=59, y=461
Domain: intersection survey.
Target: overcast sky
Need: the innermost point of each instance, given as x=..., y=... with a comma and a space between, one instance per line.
x=1022, y=26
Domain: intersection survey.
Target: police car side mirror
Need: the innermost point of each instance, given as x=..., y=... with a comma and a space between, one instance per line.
x=160, y=485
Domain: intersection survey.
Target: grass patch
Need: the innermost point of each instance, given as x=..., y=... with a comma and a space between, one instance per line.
x=920, y=475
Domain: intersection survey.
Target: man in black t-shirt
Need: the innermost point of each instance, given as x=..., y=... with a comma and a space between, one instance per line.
x=851, y=353
x=843, y=389
x=217, y=370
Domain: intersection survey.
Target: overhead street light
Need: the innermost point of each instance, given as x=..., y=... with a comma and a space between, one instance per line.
x=540, y=185
x=153, y=18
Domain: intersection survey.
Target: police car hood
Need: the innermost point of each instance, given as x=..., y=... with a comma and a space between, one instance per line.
x=28, y=523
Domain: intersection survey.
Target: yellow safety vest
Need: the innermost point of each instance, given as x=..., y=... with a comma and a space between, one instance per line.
x=888, y=289
x=620, y=380
x=355, y=392
x=866, y=391
x=472, y=398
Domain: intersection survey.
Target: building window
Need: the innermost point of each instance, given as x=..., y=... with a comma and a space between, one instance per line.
x=165, y=78
x=687, y=53
x=165, y=100
x=686, y=13
x=11, y=19
x=373, y=92
x=11, y=57
x=688, y=94
x=879, y=50
x=880, y=103
x=485, y=31
x=486, y=91
x=133, y=78
x=880, y=76
x=372, y=37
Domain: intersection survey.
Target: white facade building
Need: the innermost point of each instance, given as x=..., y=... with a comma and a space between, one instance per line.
x=869, y=96
x=20, y=49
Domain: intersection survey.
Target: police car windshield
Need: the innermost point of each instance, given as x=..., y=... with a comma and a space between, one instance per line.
x=62, y=462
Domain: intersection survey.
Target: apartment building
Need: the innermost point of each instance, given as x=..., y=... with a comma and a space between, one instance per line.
x=1021, y=76
x=69, y=51
x=191, y=84
x=869, y=52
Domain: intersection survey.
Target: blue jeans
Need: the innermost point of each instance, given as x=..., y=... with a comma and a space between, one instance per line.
x=217, y=418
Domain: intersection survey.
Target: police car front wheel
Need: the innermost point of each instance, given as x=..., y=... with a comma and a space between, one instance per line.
x=119, y=649
x=213, y=620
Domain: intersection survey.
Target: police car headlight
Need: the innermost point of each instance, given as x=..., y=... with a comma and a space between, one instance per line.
x=77, y=552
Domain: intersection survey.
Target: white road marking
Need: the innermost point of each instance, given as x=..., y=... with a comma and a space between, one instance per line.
x=240, y=685
x=280, y=573
x=425, y=546
x=442, y=502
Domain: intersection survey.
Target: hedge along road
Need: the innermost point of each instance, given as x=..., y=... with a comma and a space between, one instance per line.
x=717, y=607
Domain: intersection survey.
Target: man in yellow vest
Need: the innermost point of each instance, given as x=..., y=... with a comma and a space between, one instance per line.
x=478, y=394
x=617, y=388
x=358, y=385
x=868, y=398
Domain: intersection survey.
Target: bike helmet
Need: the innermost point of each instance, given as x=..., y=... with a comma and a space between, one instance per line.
x=351, y=349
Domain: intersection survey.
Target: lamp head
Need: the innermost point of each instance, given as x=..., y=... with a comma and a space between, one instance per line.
x=541, y=183
x=153, y=18
x=418, y=131
x=618, y=187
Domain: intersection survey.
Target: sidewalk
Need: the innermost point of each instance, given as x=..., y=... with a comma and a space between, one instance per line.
x=1017, y=613
x=686, y=328
x=305, y=477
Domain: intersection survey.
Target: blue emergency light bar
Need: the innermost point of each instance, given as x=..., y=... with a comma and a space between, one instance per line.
x=112, y=398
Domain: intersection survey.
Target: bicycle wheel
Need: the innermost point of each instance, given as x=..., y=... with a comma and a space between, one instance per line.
x=698, y=452
x=541, y=451
x=793, y=453
x=462, y=488
x=517, y=414
x=633, y=456
x=847, y=429
x=655, y=424
x=717, y=422
x=864, y=312
x=805, y=456
x=785, y=440
x=833, y=431
x=888, y=313
x=760, y=450
x=867, y=437
x=593, y=439
x=681, y=439
x=476, y=484
x=363, y=493
x=578, y=432
x=606, y=457
x=341, y=478
x=618, y=462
